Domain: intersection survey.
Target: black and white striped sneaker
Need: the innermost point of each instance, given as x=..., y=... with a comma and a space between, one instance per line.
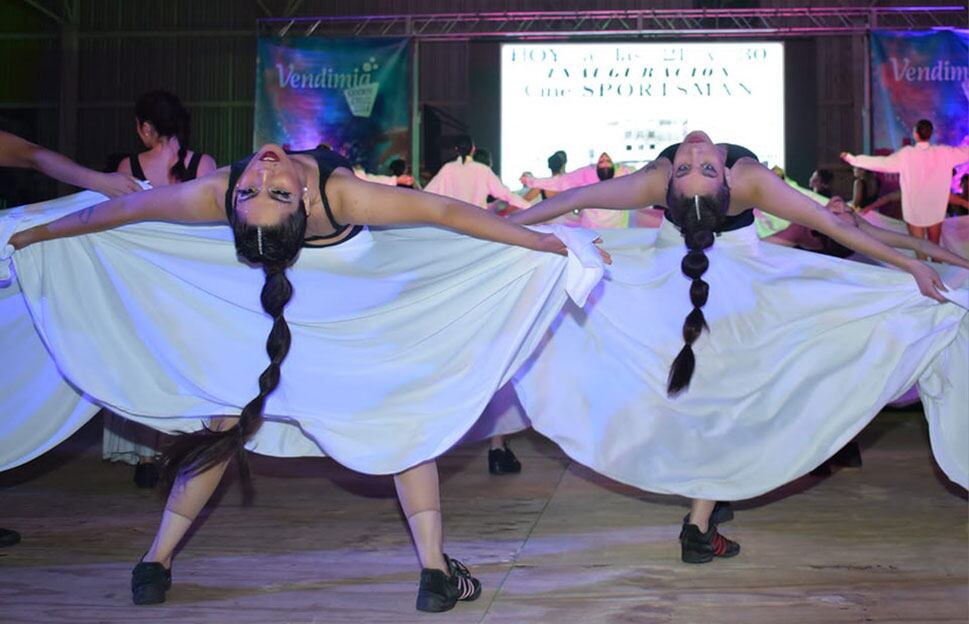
x=440, y=591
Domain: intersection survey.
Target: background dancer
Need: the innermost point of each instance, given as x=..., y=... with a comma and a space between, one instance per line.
x=164, y=127
x=267, y=200
x=603, y=169
x=925, y=173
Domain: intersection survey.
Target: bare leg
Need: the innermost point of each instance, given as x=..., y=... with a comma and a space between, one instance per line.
x=187, y=498
x=497, y=442
x=935, y=233
x=700, y=513
x=419, y=493
x=917, y=232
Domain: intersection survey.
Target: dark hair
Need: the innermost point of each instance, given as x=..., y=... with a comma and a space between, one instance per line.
x=273, y=247
x=463, y=146
x=397, y=167
x=556, y=162
x=482, y=156
x=165, y=112
x=826, y=176
x=698, y=217
x=923, y=129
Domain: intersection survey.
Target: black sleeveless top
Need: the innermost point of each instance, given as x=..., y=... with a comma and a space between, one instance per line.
x=734, y=153
x=327, y=160
x=192, y=169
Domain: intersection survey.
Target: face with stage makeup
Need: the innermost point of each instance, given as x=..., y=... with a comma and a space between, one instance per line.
x=699, y=167
x=269, y=215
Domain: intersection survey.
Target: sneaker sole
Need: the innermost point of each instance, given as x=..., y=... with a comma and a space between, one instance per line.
x=432, y=603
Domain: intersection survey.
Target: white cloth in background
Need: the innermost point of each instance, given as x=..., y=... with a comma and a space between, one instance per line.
x=400, y=336
x=802, y=351
x=472, y=182
x=925, y=173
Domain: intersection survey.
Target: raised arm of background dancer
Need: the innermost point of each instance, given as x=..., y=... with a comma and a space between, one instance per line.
x=883, y=164
x=919, y=245
x=189, y=202
x=17, y=152
x=755, y=185
x=499, y=190
x=361, y=203
x=646, y=187
x=577, y=177
x=881, y=201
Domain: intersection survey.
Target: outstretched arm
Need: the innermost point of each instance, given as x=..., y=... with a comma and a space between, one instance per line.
x=884, y=164
x=646, y=187
x=919, y=245
x=362, y=203
x=755, y=185
x=189, y=202
x=16, y=152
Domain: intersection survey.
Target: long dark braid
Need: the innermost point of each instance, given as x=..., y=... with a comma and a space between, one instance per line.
x=273, y=247
x=698, y=218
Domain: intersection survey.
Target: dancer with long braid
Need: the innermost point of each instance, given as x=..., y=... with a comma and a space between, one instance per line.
x=700, y=441
x=268, y=202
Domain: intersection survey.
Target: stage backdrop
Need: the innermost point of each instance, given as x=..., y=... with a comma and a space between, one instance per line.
x=632, y=99
x=916, y=75
x=351, y=94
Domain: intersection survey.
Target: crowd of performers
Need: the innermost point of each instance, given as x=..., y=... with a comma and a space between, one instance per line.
x=693, y=357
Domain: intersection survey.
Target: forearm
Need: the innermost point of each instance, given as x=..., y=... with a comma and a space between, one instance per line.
x=96, y=218
x=862, y=242
x=547, y=209
x=64, y=169
x=483, y=224
x=874, y=163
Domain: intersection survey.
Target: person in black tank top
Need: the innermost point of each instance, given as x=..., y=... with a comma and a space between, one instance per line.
x=266, y=200
x=164, y=127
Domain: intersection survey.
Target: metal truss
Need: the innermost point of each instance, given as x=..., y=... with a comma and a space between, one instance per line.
x=645, y=23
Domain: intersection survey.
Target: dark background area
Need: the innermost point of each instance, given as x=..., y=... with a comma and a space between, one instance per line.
x=71, y=69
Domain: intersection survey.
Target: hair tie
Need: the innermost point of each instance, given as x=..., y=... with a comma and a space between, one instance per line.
x=259, y=239
x=696, y=204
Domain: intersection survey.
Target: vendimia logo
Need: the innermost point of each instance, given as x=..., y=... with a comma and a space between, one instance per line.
x=358, y=86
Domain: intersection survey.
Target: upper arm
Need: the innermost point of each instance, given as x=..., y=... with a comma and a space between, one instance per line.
x=646, y=187
x=756, y=186
x=358, y=202
x=195, y=201
x=206, y=165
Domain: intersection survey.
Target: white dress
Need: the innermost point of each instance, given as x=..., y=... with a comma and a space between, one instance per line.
x=802, y=351
x=400, y=336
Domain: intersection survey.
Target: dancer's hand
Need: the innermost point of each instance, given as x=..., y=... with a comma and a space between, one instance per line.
x=21, y=239
x=930, y=284
x=406, y=180
x=553, y=244
x=115, y=184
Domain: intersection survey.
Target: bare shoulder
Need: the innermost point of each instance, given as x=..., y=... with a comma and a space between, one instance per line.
x=207, y=165
x=748, y=178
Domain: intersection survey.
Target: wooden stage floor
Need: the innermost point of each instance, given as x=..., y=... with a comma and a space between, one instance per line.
x=556, y=544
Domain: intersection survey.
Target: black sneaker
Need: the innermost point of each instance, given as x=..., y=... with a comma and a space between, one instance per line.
x=722, y=512
x=503, y=461
x=700, y=547
x=9, y=537
x=146, y=475
x=440, y=592
x=149, y=582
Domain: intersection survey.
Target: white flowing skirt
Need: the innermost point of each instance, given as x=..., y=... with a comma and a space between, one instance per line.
x=802, y=351
x=400, y=337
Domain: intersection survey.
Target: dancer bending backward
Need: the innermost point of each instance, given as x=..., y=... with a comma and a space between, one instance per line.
x=276, y=204
x=709, y=188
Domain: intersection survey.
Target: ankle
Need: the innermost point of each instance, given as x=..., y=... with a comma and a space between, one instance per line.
x=151, y=557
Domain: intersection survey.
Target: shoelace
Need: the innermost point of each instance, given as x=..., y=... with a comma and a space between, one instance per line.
x=463, y=577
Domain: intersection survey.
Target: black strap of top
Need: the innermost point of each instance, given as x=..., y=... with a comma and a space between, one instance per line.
x=193, y=166
x=734, y=153
x=326, y=160
x=136, y=169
